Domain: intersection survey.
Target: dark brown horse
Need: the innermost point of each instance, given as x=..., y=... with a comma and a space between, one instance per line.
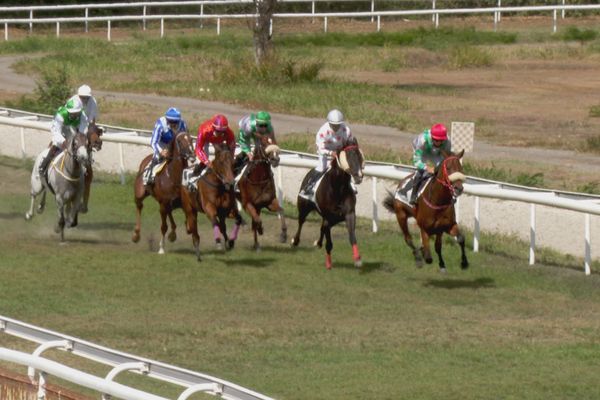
x=257, y=186
x=214, y=197
x=434, y=211
x=335, y=199
x=94, y=135
x=166, y=187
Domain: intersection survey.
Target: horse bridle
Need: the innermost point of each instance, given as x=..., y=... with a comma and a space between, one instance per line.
x=447, y=183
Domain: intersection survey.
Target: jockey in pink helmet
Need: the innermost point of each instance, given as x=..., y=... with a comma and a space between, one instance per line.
x=427, y=154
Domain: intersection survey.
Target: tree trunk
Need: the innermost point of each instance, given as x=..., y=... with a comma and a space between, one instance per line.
x=262, y=30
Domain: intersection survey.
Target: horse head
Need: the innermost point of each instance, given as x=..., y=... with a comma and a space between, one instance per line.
x=266, y=149
x=222, y=165
x=94, y=134
x=352, y=160
x=450, y=173
x=78, y=148
x=184, y=147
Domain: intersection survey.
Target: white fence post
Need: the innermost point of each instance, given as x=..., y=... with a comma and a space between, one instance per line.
x=201, y=15
x=325, y=24
x=280, y=185
x=499, y=13
x=31, y=23
x=374, y=200
x=378, y=23
x=162, y=27
x=218, y=26
x=313, y=11
x=121, y=164
x=5, y=32
x=476, y=227
x=108, y=30
x=372, y=9
x=457, y=210
x=532, y=235
x=87, y=14
x=433, y=8
x=58, y=29
x=144, y=19
x=588, y=248
x=554, y=21
x=563, y=10
x=22, y=142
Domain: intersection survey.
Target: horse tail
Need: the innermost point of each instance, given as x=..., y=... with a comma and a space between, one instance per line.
x=388, y=202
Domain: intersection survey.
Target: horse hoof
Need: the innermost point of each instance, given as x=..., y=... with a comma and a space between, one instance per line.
x=172, y=236
x=317, y=244
x=257, y=249
x=161, y=251
x=464, y=265
x=358, y=263
x=28, y=216
x=419, y=263
x=40, y=210
x=83, y=209
x=219, y=246
x=328, y=265
x=294, y=242
x=429, y=260
x=443, y=270
x=230, y=244
x=135, y=237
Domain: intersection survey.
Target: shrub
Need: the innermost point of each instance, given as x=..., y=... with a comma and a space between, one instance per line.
x=274, y=71
x=594, y=111
x=51, y=92
x=572, y=33
x=468, y=56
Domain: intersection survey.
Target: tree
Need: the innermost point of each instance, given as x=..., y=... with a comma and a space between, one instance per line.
x=262, y=30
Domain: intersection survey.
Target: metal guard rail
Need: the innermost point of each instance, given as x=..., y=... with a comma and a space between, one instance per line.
x=94, y=352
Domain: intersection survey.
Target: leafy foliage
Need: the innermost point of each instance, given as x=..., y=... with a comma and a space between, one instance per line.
x=50, y=93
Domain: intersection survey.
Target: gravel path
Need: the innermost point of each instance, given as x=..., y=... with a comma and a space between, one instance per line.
x=497, y=216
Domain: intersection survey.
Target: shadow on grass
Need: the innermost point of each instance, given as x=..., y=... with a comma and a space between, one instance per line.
x=478, y=283
x=13, y=215
x=366, y=268
x=93, y=226
x=252, y=262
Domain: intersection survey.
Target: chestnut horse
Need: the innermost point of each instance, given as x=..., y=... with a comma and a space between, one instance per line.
x=214, y=197
x=335, y=199
x=434, y=211
x=166, y=187
x=257, y=186
x=94, y=134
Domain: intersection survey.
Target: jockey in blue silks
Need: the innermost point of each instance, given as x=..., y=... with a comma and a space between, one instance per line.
x=165, y=130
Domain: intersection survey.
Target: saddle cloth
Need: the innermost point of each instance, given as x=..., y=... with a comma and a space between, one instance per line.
x=155, y=171
x=238, y=177
x=404, y=192
x=312, y=197
x=188, y=179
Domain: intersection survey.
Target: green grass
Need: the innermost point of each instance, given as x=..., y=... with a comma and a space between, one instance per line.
x=594, y=111
x=279, y=323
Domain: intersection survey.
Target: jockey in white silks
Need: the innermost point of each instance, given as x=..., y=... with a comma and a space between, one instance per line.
x=88, y=102
x=331, y=138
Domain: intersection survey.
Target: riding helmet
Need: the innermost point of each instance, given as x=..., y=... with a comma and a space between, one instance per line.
x=173, y=114
x=220, y=123
x=335, y=117
x=439, y=132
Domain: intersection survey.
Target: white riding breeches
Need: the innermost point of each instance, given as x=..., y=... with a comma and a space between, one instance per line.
x=60, y=133
x=322, y=163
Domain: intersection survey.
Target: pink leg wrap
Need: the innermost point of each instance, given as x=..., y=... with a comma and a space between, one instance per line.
x=355, y=253
x=234, y=232
x=328, y=261
x=216, y=232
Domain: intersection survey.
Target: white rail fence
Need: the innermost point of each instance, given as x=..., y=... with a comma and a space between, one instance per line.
x=201, y=16
x=293, y=164
x=193, y=382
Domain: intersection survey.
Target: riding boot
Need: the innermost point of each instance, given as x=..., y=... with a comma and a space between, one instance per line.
x=312, y=180
x=239, y=162
x=43, y=168
x=149, y=174
x=417, y=180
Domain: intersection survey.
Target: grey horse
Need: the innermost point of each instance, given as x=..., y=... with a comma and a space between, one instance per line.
x=65, y=180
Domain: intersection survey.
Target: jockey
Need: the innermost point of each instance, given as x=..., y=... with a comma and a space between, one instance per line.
x=90, y=106
x=427, y=148
x=68, y=118
x=252, y=127
x=214, y=130
x=165, y=130
x=331, y=137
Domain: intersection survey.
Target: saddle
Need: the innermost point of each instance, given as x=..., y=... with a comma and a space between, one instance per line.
x=404, y=192
x=312, y=197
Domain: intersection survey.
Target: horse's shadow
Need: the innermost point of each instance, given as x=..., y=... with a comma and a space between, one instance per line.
x=478, y=283
x=12, y=215
x=366, y=268
x=92, y=226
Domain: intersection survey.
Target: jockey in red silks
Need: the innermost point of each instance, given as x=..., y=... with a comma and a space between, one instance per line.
x=214, y=130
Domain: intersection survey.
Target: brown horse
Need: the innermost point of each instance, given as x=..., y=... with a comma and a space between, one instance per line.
x=335, y=199
x=257, y=186
x=94, y=143
x=215, y=198
x=166, y=187
x=434, y=211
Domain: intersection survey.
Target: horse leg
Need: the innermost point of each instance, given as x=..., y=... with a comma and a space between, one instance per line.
x=275, y=207
x=139, y=197
x=60, y=223
x=319, y=242
x=460, y=238
x=425, y=247
x=172, y=234
x=438, y=250
x=304, y=208
x=235, y=230
x=29, y=213
x=42, y=205
x=328, y=245
x=211, y=213
x=89, y=175
x=256, y=223
x=351, y=225
x=402, y=218
x=163, y=228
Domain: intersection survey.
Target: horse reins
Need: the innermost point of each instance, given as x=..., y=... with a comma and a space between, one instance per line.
x=446, y=183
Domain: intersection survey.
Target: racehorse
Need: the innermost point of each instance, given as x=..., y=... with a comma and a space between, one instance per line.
x=335, y=199
x=214, y=197
x=257, y=186
x=434, y=211
x=65, y=181
x=166, y=187
x=94, y=134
